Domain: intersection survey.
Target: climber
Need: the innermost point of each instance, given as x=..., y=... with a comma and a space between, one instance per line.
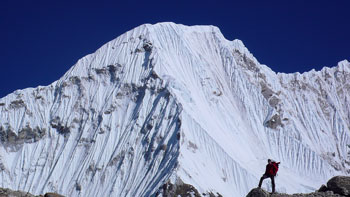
x=270, y=172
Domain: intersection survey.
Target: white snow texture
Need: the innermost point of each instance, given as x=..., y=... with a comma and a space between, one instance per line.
x=169, y=102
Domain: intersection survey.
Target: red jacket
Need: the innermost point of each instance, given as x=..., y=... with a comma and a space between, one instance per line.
x=271, y=169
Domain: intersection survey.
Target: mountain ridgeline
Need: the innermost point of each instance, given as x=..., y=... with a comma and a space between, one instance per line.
x=171, y=106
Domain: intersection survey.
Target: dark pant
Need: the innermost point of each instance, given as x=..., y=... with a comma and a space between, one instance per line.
x=265, y=176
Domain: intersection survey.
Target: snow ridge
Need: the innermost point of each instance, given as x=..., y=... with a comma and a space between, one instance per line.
x=170, y=102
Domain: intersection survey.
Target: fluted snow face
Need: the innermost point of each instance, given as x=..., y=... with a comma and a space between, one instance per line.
x=165, y=102
x=110, y=127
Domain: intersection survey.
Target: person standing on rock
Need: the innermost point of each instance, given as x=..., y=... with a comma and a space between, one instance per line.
x=270, y=172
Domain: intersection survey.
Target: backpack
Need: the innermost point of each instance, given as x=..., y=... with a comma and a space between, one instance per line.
x=274, y=168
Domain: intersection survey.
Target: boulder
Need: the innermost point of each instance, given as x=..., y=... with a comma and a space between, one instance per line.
x=258, y=192
x=52, y=195
x=323, y=188
x=339, y=185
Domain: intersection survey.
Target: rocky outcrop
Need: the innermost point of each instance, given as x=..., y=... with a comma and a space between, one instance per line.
x=258, y=192
x=52, y=195
x=181, y=189
x=339, y=185
x=5, y=192
x=336, y=186
x=178, y=189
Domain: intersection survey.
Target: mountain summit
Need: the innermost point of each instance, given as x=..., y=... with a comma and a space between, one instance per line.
x=169, y=104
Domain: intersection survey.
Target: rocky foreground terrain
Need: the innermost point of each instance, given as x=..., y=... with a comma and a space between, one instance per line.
x=4, y=192
x=336, y=186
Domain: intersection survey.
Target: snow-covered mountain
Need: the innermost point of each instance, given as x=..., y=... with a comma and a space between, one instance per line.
x=169, y=103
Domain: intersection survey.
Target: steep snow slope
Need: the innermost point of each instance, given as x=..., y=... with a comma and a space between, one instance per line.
x=169, y=102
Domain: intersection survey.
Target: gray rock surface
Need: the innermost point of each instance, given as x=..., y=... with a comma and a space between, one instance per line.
x=258, y=192
x=52, y=195
x=339, y=185
x=5, y=192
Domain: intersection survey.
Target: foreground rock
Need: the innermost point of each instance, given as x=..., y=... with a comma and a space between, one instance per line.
x=181, y=189
x=339, y=185
x=257, y=192
x=336, y=186
x=7, y=192
x=4, y=192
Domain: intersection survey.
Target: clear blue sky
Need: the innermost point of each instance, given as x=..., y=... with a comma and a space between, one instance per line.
x=40, y=40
